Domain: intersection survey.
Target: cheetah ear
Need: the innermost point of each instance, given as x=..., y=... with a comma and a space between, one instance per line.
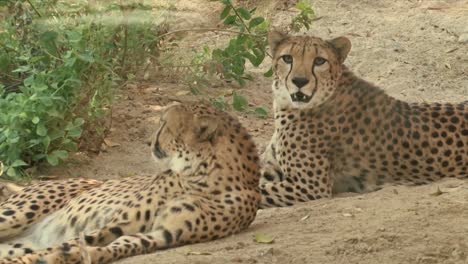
x=342, y=46
x=206, y=128
x=274, y=39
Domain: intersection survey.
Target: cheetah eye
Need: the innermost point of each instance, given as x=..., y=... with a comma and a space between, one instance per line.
x=319, y=61
x=287, y=58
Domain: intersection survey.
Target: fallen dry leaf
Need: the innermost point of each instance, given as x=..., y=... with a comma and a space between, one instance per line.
x=110, y=143
x=47, y=177
x=305, y=217
x=183, y=92
x=197, y=253
x=264, y=238
x=438, y=192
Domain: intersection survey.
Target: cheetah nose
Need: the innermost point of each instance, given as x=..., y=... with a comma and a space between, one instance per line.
x=300, y=82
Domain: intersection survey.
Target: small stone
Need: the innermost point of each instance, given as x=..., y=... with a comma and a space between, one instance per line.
x=463, y=38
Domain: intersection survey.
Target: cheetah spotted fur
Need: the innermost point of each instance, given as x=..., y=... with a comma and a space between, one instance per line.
x=335, y=132
x=208, y=190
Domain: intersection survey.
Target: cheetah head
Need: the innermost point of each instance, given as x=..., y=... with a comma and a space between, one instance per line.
x=185, y=138
x=307, y=69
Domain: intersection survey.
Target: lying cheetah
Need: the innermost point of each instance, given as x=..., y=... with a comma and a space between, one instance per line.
x=335, y=132
x=209, y=190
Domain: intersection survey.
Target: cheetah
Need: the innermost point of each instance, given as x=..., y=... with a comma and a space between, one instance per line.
x=208, y=189
x=335, y=132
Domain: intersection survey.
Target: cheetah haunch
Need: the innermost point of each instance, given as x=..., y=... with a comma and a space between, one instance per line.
x=335, y=132
x=209, y=190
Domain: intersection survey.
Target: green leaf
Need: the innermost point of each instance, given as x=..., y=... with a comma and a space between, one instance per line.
x=49, y=36
x=261, y=112
x=35, y=120
x=264, y=238
x=11, y=172
x=75, y=132
x=18, y=163
x=46, y=142
x=230, y=20
x=256, y=21
x=225, y=12
x=79, y=121
x=29, y=80
x=62, y=154
x=4, y=2
x=251, y=58
x=57, y=155
x=86, y=57
x=48, y=39
x=74, y=36
x=41, y=130
x=23, y=68
x=52, y=159
x=239, y=102
x=244, y=13
x=269, y=73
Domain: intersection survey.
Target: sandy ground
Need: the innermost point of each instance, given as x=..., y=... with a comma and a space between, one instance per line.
x=414, y=50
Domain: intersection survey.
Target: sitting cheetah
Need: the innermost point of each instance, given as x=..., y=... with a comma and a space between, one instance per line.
x=208, y=190
x=335, y=132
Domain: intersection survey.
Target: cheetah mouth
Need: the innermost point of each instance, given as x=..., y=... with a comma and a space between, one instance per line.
x=300, y=97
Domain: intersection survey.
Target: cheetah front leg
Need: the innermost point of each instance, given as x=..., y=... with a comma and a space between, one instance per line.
x=299, y=185
x=270, y=168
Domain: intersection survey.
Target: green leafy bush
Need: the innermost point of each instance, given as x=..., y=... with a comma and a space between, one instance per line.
x=58, y=75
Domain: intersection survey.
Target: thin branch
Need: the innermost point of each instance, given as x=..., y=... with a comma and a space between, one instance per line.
x=34, y=8
x=8, y=48
x=181, y=66
x=238, y=15
x=209, y=29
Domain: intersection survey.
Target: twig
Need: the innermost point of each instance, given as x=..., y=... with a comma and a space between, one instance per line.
x=181, y=66
x=8, y=48
x=237, y=14
x=209, y=29
x=124, y=55
x=34, y=8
